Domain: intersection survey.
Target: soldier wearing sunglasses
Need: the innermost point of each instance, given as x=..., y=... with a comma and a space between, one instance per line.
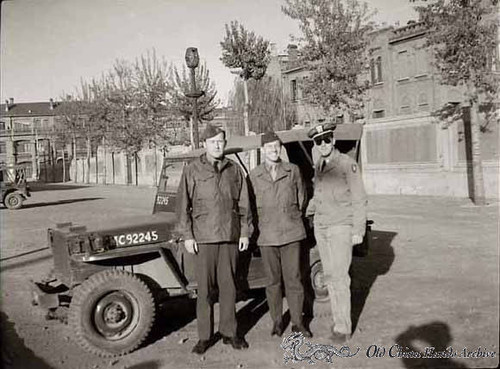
x=339, y=209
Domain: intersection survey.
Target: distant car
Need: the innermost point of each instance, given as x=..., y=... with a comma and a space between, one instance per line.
x=113, y=275
x=13, y=187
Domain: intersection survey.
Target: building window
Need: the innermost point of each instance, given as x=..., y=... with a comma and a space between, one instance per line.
x=293, y=89
x=378, y=65
x=403, y=65
x=422, y=62
x=23, y=147
x=3, y=148
x=378, y=109
x=423, y=103
x=405, y=107
x=2, y=126
x=376, y=70
x=372, y=71
x=37, y=123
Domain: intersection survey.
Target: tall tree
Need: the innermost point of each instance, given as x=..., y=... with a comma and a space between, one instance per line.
x=334, y=49
x=248, y=54
x=462, y=37
x=269, y=108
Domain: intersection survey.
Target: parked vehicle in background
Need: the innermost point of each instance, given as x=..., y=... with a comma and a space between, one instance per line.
x=13, y=186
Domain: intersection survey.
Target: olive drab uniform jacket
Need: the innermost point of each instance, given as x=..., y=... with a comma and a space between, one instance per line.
x=339, y=194
x=213, y=205
x=279, y=204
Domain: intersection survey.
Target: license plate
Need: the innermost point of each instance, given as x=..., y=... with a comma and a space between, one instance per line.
x=137, y=238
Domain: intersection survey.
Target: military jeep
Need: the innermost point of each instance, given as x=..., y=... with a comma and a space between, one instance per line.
x=112, y=278
x=13, y=187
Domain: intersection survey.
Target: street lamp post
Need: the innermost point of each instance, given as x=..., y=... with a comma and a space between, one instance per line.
x=192, y=61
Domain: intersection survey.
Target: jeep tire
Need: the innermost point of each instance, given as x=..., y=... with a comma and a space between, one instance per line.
x=318, y=285
x=111, y=313
x=13, y=201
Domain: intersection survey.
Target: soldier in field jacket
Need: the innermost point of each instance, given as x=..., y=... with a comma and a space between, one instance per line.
x=280, y=201
x=214, y=217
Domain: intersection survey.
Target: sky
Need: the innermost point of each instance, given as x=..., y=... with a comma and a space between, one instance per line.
x=48, y=46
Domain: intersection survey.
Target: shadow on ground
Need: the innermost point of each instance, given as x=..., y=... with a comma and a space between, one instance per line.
x=436, y=334
x=253, y=311
x=173, y=314
x=60, y=202
x=15, y=355
x=18, y=264
x=365, y=270
x=42, y=186
x=150, y=364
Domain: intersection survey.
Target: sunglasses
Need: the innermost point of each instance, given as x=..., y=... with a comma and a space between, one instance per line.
x=326, y=138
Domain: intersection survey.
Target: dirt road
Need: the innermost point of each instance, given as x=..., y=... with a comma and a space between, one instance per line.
x=431, y=280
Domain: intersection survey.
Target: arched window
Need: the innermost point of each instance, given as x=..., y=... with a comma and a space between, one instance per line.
x=378, y=109
x=376, y=69
x=378, y=64
x=405, y=107
x=372, y=71
x=423, y=103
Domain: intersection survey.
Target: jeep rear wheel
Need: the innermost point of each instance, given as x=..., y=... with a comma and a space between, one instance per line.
x=112, y=313
x=318, y=284
x=13, y=201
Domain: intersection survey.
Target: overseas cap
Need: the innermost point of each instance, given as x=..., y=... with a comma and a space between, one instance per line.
x=269, y=136
x=211, y=131
x=321, y=129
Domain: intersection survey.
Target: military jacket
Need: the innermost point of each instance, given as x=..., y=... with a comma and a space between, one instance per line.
x=213, y=205
x=339, y=194
x=279, y=204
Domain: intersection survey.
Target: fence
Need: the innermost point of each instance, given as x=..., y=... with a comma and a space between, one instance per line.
x=108, y=167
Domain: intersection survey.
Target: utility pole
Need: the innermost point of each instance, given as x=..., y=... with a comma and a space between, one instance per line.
x=192, y=61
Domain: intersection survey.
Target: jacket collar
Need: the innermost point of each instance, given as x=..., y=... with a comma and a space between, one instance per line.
x=330, y=161
x=283, y=170
x=224, y=162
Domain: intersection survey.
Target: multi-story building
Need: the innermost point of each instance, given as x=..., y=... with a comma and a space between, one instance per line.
x=405, y=149
x=25, y=136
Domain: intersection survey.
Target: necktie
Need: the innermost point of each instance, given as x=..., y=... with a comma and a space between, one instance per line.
x=273, y=172
x=322, y=165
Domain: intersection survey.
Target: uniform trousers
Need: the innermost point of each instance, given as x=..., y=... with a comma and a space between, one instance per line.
x=283, y=261
x=216, y=266
x=335, y=249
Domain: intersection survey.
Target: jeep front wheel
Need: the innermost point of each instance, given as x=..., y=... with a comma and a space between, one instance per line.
x=111, y=313
x=13, y=201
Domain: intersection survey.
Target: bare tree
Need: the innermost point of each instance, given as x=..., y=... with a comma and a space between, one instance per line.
x=269, y=108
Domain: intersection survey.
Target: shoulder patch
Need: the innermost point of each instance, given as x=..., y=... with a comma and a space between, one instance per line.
x=354, y=168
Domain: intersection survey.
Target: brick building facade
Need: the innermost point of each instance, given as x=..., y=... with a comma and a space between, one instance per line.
x=405, y=150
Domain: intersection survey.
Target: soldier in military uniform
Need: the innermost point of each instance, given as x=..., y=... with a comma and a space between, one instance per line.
x=214, y=217
x=280, y=201
x=339, y=209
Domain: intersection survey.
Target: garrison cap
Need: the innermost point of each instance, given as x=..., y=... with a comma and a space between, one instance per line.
x=269, y=136
x=321, y=129
x=211, y=131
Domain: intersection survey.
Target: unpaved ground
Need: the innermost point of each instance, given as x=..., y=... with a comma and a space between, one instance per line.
x=431, y=279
